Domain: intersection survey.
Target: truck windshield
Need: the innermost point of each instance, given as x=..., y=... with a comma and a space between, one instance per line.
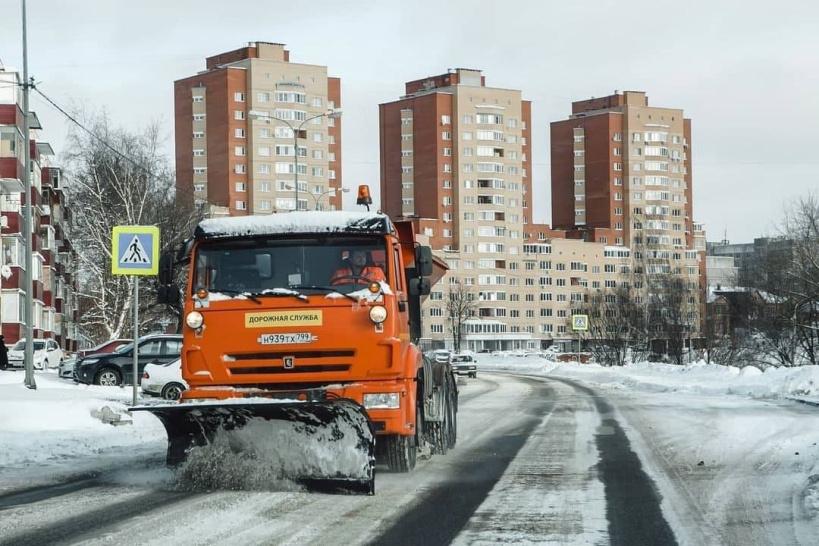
x=255, y=266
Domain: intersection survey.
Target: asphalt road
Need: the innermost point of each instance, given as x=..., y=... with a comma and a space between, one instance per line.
x=538, y=461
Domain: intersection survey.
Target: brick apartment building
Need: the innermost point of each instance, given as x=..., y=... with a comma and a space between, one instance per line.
x=239, y=165
x=54, y=283
x=456, y=159
x=621, y=174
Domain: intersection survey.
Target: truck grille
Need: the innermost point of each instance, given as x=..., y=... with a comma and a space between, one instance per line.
x=297, y=369
x=278, y=355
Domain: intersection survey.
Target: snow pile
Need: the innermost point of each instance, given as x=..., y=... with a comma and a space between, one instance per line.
x=270, y=455
x=698, y=377
x=55, y=422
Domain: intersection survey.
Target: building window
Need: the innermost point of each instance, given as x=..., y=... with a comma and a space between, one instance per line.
x=238, y=133
x=241, y=205
x=240, y=168
x=198, y=117
x=446, y=135
x=239, y=151
x=200, y=170
x=446, y=120
x=239, y=114
x=198, y=187
x=241, y=187
x=198, y=98
x=238, y=97
x=198, y=152
x=198, y=134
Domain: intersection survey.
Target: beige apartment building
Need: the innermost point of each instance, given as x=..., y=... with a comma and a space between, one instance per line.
x=251, y=124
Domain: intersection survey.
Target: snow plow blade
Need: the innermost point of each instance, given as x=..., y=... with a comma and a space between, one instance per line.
x=326, y=445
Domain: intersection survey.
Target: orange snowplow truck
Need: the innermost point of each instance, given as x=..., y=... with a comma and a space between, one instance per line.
x=309, y=320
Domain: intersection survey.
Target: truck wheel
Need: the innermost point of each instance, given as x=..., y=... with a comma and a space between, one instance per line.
x=401, y=453
x=452, y=421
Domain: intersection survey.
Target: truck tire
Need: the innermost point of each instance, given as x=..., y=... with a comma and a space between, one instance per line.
x=401, y=452
x=452, y=419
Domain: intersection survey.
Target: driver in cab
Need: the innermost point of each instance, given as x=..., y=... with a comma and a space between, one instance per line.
x=357, y=271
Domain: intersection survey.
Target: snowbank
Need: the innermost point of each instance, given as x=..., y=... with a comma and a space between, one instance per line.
x=54, y=423
x=799, y=382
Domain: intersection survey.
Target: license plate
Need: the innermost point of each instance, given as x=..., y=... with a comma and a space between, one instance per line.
x=284, y=339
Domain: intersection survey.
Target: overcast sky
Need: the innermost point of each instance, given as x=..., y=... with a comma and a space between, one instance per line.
x=745, y=72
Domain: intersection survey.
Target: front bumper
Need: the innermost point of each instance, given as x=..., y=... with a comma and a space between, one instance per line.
x=464, y=370
x=84, y=375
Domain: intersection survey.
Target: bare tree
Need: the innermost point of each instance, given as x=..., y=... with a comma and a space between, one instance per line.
x=119, y=178
x=460, y=305
x=786, y=277
x=616, y=324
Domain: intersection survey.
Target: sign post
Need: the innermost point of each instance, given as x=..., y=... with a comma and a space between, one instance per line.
x=135, y=252
x=580, y=323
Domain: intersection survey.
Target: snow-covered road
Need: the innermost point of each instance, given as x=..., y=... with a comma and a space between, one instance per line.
x=539, y=460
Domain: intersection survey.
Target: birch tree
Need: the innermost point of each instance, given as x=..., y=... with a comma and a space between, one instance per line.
x=118, y=177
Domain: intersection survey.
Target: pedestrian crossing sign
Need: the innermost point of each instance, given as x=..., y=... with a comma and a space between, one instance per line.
x=580, y=323
x=135, y=250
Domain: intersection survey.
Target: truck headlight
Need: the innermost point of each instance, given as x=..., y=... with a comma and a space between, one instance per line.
x=194, y=320
x=378, y=314
x=381, y=400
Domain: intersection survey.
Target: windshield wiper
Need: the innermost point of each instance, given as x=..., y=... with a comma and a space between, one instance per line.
x=329, y=289
x=248, y=295
x=280, y=293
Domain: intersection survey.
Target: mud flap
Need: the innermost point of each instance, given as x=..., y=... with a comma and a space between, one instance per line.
x=340, y=425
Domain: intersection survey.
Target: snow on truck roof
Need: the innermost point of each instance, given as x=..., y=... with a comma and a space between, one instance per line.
x=312, y=222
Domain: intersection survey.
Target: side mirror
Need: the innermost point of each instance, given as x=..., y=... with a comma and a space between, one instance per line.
x=423, y=261
x=166, y=268
x=419, y=286
x=168, y=294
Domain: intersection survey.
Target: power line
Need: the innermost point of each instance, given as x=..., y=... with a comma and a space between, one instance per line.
x=101, y=140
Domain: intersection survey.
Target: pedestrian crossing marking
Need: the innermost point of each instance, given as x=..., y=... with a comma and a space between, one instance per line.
x=135, y=253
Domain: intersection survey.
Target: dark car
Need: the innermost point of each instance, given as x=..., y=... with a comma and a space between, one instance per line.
x=464, y=365
x=117, y=368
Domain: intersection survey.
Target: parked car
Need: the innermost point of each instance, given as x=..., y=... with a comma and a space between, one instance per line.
x=108, y=347
x=465, y=365
x=116, y=368
x=66, y=368
x=441, y=355
x=164, y=380
x=47, y=354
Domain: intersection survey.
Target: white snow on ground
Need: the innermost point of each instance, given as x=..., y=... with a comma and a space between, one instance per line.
x=698, y=377
x=51, y=426
x=749, y=450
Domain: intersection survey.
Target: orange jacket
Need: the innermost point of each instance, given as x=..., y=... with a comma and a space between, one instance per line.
x=369, y=273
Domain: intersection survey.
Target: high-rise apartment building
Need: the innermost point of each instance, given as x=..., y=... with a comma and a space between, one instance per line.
x=621, y=174
x=455, y=158
x=240, y=163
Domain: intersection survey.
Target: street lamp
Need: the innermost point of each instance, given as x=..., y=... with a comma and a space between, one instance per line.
x=317, y=199
x=267, y=117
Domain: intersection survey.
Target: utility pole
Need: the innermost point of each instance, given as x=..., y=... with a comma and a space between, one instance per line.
x=28, y=223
